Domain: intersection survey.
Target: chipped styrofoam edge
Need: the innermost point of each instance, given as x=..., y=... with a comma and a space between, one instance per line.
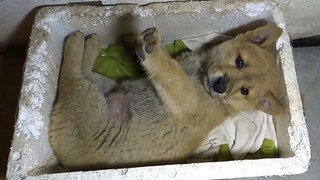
x=254, y=9
x=247, y=168
x=31, y=124
x=220, y=170
x=298, y=134
x=45, y=22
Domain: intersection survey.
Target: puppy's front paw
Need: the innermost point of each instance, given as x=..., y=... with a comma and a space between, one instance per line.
x=149, y=41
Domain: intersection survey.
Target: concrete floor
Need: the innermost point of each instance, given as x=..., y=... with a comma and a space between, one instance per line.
x=10, y=80
x=308, y=69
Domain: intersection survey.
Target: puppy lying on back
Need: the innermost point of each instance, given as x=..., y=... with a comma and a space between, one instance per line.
x=96, y=123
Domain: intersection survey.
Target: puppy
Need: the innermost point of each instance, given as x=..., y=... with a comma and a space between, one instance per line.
x=163, y=118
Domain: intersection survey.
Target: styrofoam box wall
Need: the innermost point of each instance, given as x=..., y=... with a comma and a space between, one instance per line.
x=31, y=156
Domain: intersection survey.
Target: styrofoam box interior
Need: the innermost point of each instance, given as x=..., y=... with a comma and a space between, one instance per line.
x=31, y=156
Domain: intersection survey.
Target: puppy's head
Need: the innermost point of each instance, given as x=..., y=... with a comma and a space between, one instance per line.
x=241, y=71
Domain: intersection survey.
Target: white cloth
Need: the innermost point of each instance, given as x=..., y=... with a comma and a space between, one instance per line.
x=244, y=133
x=197, y=42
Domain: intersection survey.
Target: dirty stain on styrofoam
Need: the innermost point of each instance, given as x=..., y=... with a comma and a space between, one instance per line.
x=254, y=9
x=45, y=22
x=30, y=147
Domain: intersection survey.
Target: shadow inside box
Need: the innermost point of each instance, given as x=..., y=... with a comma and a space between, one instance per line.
x=11, y=67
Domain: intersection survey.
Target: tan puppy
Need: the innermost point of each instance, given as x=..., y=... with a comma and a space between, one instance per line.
x=165, y=117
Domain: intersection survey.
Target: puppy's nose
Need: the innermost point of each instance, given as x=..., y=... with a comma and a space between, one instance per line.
x=219, y=85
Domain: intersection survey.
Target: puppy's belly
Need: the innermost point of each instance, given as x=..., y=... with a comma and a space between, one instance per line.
x=118, y=109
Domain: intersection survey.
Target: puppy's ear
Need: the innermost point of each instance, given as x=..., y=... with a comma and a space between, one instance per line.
x=270, y=105
x=265, y=36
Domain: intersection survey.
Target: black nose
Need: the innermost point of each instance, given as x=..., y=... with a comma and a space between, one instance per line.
x=219, y=85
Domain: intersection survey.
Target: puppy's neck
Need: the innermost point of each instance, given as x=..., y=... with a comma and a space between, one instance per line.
x=217, y=114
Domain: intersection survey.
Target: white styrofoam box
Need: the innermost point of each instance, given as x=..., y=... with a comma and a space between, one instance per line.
x=31, y=156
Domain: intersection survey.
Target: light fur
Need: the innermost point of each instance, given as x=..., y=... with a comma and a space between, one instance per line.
x=162, y=119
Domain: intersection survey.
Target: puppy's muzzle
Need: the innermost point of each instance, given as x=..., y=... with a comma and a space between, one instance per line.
x=219, y=85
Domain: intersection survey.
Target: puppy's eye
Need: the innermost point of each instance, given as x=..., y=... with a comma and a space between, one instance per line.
x=239, y=62
x=244, y=91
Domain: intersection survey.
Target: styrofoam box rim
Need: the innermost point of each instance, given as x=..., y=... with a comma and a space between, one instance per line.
x=298, y=135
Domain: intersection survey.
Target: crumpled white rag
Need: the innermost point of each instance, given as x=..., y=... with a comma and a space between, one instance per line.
x=244, y=133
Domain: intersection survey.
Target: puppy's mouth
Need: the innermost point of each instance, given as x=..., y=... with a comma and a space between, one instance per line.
x=215, y=86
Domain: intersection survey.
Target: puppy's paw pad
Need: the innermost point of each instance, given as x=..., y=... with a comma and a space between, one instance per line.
x=149, y=40
x=140, y=52
x=149, y=48
x=148, y=37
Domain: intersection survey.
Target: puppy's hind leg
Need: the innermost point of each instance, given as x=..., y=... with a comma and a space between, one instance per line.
x=91, y=51
x=72, y=55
